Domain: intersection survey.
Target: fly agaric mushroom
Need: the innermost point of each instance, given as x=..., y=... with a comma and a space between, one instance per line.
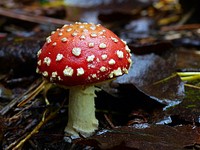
x=78, y=56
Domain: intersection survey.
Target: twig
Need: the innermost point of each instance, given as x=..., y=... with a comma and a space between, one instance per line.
x=109, y=121
x=15, y=142
x=47, y=87
x=181, y=27
x=23, y=97
x=192, y=86
x=35, y=19
x=186, y=17
x=32, y=94
x=21, y=111
x=36, y=129
x=165, y=79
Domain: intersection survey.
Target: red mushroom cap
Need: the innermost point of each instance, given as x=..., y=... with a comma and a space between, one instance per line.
x=82, y=54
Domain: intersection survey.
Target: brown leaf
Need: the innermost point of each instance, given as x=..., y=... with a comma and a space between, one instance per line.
x=155, y=75
x=188, y=110
x=19, y=54
x=152, y=137
x=188, y=60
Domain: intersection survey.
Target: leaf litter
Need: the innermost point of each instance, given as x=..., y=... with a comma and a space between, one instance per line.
x=151, y=137
x=150, y=108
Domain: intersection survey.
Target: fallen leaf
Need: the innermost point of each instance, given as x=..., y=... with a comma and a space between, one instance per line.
x=188, y=110
x=155, y=76
x=151, y=137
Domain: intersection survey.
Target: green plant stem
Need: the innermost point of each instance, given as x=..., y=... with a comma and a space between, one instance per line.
x=190, y=78
x=192, y=86
x=188, y=73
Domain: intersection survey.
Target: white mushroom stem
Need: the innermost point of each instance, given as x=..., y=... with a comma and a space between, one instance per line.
x=81, y=111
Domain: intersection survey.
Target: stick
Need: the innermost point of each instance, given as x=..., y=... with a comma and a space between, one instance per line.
x=36, y=129
x=35, y=19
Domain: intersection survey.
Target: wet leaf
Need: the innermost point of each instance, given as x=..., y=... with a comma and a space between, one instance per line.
x=152, y=76
x=155, y=75
x=19, y=54
x=188, y=110
x=152, y=137
x=188, y=60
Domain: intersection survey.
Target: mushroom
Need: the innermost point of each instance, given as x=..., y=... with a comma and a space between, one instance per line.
x=78, y=57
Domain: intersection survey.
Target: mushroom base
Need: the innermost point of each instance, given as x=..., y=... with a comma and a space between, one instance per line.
x=81, y=113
